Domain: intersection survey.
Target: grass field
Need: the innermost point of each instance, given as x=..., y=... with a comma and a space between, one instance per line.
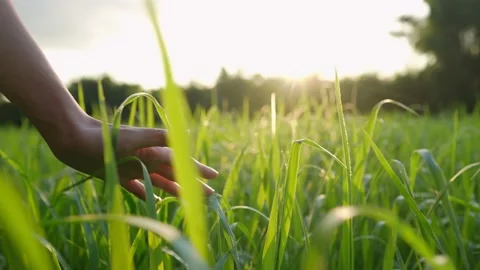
x=313, y=189
x=396, y=187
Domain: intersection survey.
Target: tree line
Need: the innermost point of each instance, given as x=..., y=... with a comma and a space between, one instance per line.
x=232, y=90
x=449, y=35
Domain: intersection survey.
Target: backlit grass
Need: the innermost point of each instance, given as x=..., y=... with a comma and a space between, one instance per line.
x=312, y=189
x=413, y=204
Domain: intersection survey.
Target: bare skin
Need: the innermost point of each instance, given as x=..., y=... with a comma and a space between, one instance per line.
x=75, y=138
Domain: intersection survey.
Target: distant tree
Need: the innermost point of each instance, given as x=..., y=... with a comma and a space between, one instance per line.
x=450, y=36
x=115, y=93
x=231, y=89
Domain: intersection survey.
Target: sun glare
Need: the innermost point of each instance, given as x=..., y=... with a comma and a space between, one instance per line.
x=293, y=39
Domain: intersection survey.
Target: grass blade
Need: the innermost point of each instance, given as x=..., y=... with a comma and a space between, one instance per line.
x=233, y=176
x=424, y=225
x=339, y=215
x=167, y=232
x=347, y=232
x=186, y=173
x=215, y=205
x=118, y=232
x=282, y=209
x=24, y=250
x=442, y=184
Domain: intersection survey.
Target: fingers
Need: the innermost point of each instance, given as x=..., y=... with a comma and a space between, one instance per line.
x=165, y=184
x=159, y=160
x=205, y=171
x=173, y=187
x=137, y=188
x=166, y=170
x=149, y=144
x=208, y=190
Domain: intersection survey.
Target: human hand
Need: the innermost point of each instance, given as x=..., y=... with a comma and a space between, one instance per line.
x=82, y=149
x=29, y=82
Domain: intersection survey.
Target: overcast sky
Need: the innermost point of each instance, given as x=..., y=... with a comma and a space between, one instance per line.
x=291, y=38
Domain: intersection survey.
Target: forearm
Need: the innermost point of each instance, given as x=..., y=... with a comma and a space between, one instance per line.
x=28, y=80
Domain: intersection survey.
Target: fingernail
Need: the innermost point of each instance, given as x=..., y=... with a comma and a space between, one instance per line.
x=210, y=189
x=213, y=170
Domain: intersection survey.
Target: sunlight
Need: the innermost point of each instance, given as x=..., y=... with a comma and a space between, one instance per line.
x=293, y=39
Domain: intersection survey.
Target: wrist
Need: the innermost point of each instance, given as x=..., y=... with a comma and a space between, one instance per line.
x=61, y=126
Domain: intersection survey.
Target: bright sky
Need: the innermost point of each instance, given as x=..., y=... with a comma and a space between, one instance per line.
x=291, y=38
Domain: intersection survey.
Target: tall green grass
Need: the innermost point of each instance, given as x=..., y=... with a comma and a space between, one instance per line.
x=315, y=188
x=402, y=184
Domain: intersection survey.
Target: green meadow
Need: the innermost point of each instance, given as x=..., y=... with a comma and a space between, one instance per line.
x=320, y=187
x=282, y=197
